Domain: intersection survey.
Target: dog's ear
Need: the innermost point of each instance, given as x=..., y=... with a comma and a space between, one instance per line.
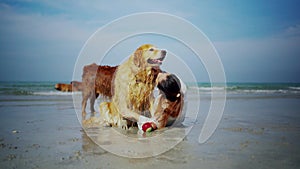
x=137, y=58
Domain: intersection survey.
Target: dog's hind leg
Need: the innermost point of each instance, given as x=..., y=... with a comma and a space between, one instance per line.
x=83, y=105
x=92, y=102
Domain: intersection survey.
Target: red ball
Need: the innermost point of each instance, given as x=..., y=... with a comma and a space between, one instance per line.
x=147, y=127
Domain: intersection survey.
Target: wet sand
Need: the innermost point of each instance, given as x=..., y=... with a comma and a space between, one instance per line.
x=255, y=132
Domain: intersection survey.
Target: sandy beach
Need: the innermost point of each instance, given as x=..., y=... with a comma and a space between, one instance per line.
x=256, y=131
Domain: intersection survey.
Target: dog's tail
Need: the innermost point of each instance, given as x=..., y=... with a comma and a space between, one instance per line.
x=72, y=87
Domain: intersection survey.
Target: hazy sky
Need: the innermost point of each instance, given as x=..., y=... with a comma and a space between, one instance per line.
x=258, y=41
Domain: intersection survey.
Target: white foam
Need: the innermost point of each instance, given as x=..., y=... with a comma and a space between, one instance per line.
x=294, y=88
x=54, y=93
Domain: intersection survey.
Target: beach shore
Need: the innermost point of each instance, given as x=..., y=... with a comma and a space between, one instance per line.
x=256, y=131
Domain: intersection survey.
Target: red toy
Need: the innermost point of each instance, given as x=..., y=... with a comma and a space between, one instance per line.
x=148, y=127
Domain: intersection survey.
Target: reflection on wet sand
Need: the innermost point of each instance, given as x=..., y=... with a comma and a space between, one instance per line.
x=131, y=142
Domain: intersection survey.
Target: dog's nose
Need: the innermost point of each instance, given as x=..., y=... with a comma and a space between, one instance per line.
x=163, y=53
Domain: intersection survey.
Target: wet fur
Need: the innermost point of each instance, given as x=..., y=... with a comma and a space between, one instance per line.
x=96, y=80
x=134, y=82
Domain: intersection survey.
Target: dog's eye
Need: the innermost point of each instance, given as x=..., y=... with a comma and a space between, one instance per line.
x=151, y=49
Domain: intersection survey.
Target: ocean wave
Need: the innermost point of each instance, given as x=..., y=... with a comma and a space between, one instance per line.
x=37, y=93
x=210, y=88
x=294, y=88
x=15, y=92
x=250, y=88
x=52, y=93
x=260, y=91
x=47, y=88
x=30, y=88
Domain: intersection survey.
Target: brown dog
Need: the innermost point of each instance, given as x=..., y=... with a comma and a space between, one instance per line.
x=63, y=87
x=96, y=80
x=73, y=86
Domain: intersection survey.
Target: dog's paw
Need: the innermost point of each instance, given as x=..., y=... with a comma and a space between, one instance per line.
x=107, y=124
x=125, y=127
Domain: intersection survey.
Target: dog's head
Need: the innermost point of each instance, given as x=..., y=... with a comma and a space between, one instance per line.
x=148, y=55
x=63, y=87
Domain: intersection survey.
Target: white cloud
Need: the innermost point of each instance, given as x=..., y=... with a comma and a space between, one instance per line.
x=76, y=21
x=35, y=26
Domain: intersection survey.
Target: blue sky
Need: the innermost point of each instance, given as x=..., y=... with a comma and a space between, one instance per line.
x=258, y=41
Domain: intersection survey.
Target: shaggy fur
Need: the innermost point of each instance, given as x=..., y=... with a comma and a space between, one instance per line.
x=135, y=80
x=110, y=114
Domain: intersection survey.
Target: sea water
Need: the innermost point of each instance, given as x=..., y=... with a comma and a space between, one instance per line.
x=47, y=88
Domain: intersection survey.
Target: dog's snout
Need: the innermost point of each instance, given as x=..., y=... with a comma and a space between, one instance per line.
x=163, y=53
x=56, y=86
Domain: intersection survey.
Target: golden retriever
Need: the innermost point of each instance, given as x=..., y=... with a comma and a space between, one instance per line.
x=133, y=84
